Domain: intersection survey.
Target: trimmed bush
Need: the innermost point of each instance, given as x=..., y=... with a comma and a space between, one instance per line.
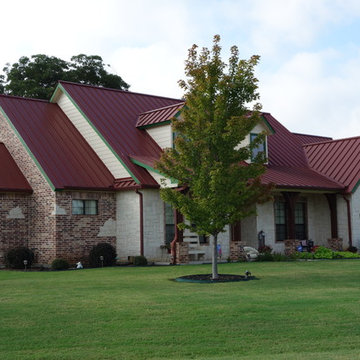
x=102, y=249
x=14, y=258
x=59, y=264
x=140, y=260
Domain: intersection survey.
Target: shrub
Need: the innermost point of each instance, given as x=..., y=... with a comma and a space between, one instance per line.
x=279, y=257
x=352, y=249
x=346, y=255
x=105, y=250
x=323, y=253
x=59, y=264
x=304, y=255
x=265, y=249
x=140, y=260
x=14, y=258
x=265, y=257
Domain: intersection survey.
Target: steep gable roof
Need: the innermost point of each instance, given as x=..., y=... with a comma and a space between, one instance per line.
x=337, y=159
x=11, y=177
x=61, y=153
x=114, y=114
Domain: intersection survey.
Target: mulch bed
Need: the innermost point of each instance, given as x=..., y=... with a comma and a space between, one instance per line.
x=207, y=278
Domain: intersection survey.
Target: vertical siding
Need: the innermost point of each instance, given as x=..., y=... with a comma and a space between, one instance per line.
x=162, y=135
x=93, y=139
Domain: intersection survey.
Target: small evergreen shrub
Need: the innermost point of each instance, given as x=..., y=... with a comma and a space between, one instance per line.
x=140, y=260
x=265, y=249
x=102, y=249
x=352, y=249
x=60, y=264
x=14, y=258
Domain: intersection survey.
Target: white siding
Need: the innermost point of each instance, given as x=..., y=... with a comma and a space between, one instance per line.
x=93, y=139
x=162, y=135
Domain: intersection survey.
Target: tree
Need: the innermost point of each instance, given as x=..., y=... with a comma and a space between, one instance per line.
x=222, y=188
x=38, y=76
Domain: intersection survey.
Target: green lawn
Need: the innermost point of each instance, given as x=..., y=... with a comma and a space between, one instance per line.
x=297, y=310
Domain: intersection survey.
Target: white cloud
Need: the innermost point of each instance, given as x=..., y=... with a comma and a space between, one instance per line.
x=305, y=98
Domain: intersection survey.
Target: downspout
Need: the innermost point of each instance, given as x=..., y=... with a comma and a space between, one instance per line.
x=349, y=219
x=141, y=209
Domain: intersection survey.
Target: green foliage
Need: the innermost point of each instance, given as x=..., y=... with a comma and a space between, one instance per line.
x=37, y=76
x=140, y=260
x=346, y=255
x=323, y=253
x=107, y=251
x=214, y=121
x=267, y=256
x=304, y=255
x=14, y=258
x=60, y=264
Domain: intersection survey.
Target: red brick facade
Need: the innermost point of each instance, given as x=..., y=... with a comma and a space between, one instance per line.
x=14, y=221
x=43, y=229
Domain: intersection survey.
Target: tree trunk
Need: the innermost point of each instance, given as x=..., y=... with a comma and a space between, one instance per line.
x=215, y=274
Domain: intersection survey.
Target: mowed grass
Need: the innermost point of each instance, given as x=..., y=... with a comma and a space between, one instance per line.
x=296, y=310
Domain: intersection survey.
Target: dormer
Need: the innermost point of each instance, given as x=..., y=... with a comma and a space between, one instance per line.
x=157, y=124
x=263, y=127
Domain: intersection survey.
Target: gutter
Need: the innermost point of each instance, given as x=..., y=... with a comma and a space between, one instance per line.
x=349, y=219
x=141, y=209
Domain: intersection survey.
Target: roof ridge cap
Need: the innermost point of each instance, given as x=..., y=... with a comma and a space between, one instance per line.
x=23, y=98
x=116, y=90
x=332, y=141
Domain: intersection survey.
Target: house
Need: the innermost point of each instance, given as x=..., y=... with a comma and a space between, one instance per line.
x=79, y=169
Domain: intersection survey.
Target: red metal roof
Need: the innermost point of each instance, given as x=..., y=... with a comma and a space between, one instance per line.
x=63, y=154
x=158, y=115
x=114, y=113
x=11, y=177
x=309, y=139
x=284, y=148
x=288, y=166
x=300, y=178
x=337, y=159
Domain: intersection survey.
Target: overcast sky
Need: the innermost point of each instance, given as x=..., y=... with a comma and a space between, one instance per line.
x=309, y=71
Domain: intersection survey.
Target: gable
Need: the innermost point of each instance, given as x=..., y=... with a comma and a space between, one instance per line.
x=113, y=113
x=57, y=148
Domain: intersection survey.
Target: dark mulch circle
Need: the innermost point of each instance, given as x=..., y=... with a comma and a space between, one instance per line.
x=207, y=278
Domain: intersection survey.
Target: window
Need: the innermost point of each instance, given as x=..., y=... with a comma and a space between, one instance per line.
x=169, y=224
x=281, y=225
x=84, y=207
x=280, y=221
x=300, y=222
x=260, y=148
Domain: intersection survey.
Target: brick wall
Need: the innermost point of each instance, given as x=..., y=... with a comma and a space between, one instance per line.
x=41, y=238
x=14, y=222
x=77, y=234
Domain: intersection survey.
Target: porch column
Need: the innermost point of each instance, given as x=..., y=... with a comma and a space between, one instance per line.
x=290, y=201
x=178, y=238
x=331, y=198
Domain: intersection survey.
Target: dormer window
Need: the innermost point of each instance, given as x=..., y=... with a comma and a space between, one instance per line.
x=260, y=148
